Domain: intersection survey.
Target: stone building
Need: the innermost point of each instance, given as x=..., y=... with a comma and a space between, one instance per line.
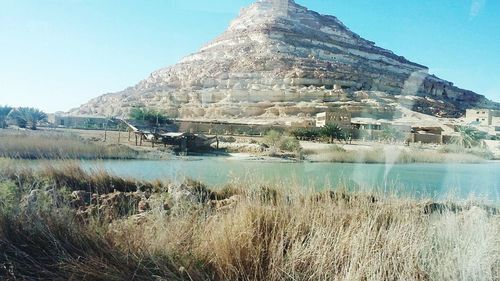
x=483, y=117
x=341, y=118
x=80, y=122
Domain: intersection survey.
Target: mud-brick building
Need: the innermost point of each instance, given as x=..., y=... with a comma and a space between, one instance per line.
x=340, y=118
x=483, y=117
x=81, y=121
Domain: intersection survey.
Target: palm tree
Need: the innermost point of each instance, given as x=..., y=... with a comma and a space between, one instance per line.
x=4, y=112
x=468, y=136
x=333, y=131
x=27, y=117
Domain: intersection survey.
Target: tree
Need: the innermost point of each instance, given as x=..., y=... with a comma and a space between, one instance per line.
x=272, y=138
x=468, y=136
x=151, y=117
x=4, y=112
x=392, y=134
x=332, y=131
x=27, y=117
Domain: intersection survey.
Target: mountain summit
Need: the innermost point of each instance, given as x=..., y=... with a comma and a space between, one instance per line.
x=279, y=59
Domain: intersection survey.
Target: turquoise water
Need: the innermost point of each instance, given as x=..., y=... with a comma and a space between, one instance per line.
x=427, y=180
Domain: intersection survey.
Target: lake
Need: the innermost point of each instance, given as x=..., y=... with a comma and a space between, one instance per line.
x=417, y=180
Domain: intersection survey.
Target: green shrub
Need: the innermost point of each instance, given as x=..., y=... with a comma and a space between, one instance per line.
x=289, y=144
x=306, y=133
x=272, y=138
x=9, y=196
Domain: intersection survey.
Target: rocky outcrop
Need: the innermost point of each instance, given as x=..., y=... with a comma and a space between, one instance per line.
x=279, y=59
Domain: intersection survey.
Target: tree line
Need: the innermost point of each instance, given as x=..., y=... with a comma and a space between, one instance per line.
x=329, y=131
x=23, y=117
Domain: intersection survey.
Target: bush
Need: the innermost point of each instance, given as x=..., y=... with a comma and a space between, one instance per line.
x=306, y=133
x=289, y=144
x=276, y=140
x=272, y=138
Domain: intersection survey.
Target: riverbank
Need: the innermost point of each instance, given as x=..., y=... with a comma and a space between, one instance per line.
x=65, y=223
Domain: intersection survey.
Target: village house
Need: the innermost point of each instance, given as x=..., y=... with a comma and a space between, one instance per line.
x=80, y=122
x=482, y=117
x=486, y=120
x=340, y=118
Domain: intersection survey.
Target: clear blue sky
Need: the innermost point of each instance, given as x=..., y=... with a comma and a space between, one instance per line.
x=57, y=54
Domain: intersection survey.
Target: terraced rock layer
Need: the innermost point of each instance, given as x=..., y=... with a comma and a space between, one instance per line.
x=281, y=60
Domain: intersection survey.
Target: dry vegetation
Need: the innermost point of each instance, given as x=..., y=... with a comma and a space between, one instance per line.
x=243, y=232
x=388, y=154
x=51, y=145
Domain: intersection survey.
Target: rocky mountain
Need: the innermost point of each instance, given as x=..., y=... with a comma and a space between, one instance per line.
x=281, y=60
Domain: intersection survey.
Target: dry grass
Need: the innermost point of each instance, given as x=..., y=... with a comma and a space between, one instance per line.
x=72, y=176
x=38, y=145
x=391, y=155
x=298, y=237
x=271, y=233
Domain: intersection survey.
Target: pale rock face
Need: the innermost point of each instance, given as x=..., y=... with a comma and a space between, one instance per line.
x=273, y=57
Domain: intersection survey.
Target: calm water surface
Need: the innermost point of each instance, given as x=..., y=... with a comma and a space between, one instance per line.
x=428, y=180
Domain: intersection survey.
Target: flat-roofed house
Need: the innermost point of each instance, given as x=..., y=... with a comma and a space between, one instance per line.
x=340, y=118
x=483, y=117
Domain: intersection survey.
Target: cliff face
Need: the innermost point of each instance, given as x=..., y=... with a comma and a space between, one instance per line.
x=280, y=59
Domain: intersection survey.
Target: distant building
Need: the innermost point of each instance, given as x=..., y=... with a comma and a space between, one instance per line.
x=301, y=124
x=80, y=122
x=340, y=118
x=361, y=123
x=482, y=117
x=427, y=134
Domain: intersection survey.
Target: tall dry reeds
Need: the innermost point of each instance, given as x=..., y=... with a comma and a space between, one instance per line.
x=26, y=145
x=392, y=155
x=311, y=237
x=256, y=233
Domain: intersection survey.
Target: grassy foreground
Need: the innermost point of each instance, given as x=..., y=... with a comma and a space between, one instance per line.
x=132, y=230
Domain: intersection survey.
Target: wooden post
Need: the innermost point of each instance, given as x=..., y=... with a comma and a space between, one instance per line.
x=140, y=141
x=153, y=142
x=135, y=139
x=128, y=134
x=106, y=130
